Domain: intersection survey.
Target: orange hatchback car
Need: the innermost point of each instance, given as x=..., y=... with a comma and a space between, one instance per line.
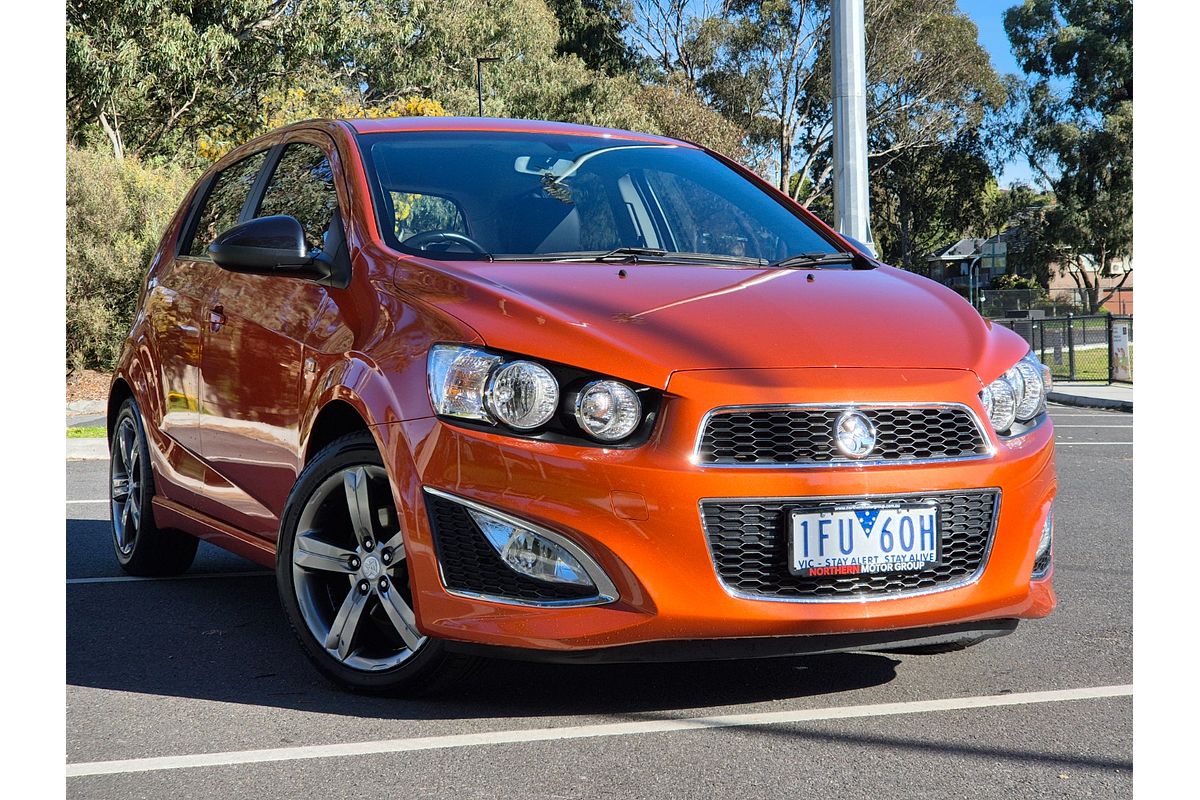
x=494, y=387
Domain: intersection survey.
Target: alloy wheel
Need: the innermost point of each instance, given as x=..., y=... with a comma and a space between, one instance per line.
x=126, y=485
x=349, y=572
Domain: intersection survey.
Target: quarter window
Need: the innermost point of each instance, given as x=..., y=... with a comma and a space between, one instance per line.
x=224, y=202
x=302, y=186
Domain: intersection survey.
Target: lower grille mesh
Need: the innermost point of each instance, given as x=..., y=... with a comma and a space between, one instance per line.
x=470, y=563
x=749, y=544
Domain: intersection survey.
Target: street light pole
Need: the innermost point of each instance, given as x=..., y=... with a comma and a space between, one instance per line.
x=479, y=62
x=972, y=280
x=851, y=202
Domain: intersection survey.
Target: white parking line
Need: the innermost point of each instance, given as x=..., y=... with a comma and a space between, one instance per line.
x=1069, y=444
x=1057, y=426
x=1058, y=412
x=1111, y=415
x=584, y=731
x=188, y=577
x=85, y=502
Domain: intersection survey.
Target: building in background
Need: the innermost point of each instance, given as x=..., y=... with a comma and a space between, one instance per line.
x=972, y=266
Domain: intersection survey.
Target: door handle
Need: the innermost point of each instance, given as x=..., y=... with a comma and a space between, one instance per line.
x=216, y=318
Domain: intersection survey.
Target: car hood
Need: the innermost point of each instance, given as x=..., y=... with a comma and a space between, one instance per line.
x=642, y=322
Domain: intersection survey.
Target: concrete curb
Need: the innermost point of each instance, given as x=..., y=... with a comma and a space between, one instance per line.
x=82, y=407
x=87, y=449
x=1079, y=401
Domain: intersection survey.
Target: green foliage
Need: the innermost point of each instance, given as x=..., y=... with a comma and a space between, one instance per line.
x=593, y=30
x=116, y=213
x=146, y=75
x=1011, y=281
x=766, y=65
x=674, y=111
x=1080, y=139
x=923, y=198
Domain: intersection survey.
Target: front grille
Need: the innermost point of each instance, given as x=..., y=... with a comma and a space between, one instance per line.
x=804, y=436
x=471, y=564
x=749, y=544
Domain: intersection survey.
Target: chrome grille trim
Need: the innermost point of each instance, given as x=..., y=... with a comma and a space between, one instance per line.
x=985, y=448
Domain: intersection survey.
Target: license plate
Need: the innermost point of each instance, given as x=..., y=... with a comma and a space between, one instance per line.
x=853, y=539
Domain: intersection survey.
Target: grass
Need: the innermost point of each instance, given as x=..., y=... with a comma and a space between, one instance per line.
x=86, y=432
x=1090, y=365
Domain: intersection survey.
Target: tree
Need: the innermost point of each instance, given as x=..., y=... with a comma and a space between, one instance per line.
x=116, y=212
x=1078, y=130
x=765, y=65
x=924, y=197
x=146, y=75
x=674, y=111
x=594, y=31
x=679, y=38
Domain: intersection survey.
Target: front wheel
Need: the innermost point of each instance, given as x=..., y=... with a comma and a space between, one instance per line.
x=342, y=575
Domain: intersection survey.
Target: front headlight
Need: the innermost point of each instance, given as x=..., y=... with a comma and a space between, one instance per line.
x=1018, y=397
x=522, y=395
x=457, y=379
x=546, y=401
x=608, y=410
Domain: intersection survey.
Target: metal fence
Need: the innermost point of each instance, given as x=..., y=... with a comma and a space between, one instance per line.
x=1002, y=303
x=1088, y=348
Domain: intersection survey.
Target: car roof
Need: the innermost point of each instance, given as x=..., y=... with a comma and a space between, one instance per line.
x=399, y=124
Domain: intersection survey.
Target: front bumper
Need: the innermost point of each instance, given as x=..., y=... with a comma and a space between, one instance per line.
x=637, y=513
x=960, y=634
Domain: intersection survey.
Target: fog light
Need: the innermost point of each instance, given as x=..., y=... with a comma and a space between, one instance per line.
x=1042, y=559
x=530, y=553
x=1047, y=536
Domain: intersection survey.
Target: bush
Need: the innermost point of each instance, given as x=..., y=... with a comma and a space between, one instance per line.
x=116, y=214
x=1010, y=281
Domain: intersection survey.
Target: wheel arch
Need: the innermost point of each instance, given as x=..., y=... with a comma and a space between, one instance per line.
x=335, y=419
x=118, y=393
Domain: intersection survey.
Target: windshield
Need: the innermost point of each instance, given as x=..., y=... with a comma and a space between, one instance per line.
x=506, y=195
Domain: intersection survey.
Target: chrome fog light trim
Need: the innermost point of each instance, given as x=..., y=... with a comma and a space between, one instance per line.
x=511, y=536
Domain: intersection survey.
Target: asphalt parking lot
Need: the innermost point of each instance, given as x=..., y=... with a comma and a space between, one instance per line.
x=195, y=688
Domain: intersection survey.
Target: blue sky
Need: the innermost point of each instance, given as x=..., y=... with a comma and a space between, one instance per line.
x=988, y=17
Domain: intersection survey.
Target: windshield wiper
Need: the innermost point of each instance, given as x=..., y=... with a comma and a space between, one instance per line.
x=619, y=253
x=816, y=259
x=631, y=253
x=634, y=255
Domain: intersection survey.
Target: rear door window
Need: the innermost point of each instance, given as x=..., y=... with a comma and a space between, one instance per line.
x=224, y=202
x=302, y=187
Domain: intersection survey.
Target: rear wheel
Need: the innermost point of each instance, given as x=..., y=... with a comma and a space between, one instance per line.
x=342, y=574
x=141, y=547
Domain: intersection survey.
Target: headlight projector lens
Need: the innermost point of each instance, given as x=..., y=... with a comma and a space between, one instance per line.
x=608, y=410
x=522, y=395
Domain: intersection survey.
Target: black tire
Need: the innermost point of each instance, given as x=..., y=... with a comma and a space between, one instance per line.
x=429, y=667
x=141, y=547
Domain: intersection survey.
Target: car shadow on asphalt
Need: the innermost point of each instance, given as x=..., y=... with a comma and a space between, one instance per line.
x=226, y=639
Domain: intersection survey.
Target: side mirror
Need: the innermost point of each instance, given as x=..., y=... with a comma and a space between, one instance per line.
x=265, y=246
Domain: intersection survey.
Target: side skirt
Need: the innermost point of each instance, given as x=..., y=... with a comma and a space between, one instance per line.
x=169, y=514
